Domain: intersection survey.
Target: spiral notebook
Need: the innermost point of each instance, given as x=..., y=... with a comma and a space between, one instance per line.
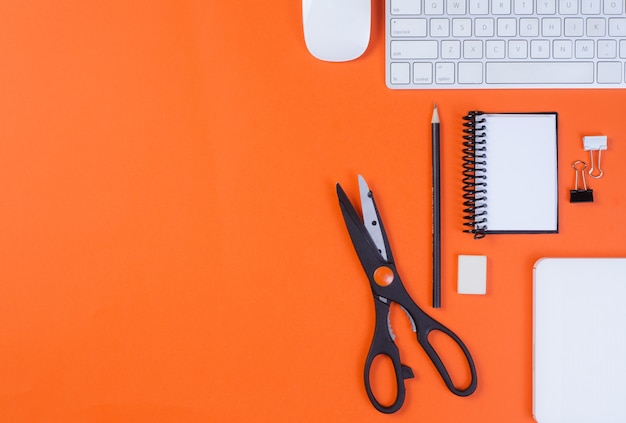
x=510, y=173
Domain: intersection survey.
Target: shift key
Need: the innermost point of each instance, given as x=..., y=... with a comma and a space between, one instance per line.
x=423, y=49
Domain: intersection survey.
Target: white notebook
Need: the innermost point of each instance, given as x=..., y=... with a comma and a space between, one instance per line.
x=510, y=173
x=579, y=340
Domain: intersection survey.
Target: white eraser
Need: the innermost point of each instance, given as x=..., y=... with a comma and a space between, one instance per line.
x=472, y=277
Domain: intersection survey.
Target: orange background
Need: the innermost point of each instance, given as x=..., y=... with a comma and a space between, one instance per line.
x=171, y=247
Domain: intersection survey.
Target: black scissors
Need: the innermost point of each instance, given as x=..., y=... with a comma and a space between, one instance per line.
x=372, y=246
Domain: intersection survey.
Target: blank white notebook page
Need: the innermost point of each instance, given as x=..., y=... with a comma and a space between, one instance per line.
x=579, y=340
x=521, y=169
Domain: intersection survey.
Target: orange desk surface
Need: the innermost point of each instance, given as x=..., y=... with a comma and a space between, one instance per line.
x=171, y=247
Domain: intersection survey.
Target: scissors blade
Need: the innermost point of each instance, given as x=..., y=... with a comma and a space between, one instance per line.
x=371, y=220
x=361, y=239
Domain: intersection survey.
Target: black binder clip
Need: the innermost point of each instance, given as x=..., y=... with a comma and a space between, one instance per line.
x=577, y=195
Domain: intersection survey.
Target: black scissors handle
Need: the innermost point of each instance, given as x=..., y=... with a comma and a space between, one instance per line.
x=383, y=345
x=425, y=326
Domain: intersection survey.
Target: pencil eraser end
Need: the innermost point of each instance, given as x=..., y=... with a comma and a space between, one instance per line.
x=472, y=276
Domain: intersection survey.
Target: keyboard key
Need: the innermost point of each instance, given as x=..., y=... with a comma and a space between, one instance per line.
x=622, y=49
x=507, y=27
x=590, y=7
x=523, y=7
x=439, y=27
x=546, y=7
x=408, y=27
x=400, y=73
x=573, y=27
x=551, y=27
x=422, y=73
x=584, y=49
x=444, y=73
x=451, y=49
x=613, y=7
x=426, y=49
x=568, y=7
x=539, y=72
x=473, y=49
x=518, y=49
x=461, y=27
x=470, y=73
x=596, y=27
x=455, y=7
x=484, y=27
x=478, y=7
x=617, y=27
x=405, y=7
x=529, y=27
x=609, y=72
x=540, y=49
x=501, y=7
x=607, y=49
x=562, y=49
x=495, y=49
x=433, y=7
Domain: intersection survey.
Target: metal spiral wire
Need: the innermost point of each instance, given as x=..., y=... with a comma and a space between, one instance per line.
x=474, y=177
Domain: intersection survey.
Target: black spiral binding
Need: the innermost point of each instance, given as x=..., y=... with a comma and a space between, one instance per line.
x=474, y=178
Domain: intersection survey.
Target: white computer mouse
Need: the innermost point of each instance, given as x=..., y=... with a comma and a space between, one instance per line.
x=336, y=30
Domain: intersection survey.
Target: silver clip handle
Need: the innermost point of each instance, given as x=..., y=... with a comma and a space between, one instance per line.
x=582, y=172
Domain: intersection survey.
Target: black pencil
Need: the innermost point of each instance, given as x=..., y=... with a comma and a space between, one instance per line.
x=436, y=211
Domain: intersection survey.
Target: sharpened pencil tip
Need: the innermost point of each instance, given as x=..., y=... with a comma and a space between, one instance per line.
x=435, y=115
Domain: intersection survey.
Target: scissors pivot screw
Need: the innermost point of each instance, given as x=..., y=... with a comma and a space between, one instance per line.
x=383, y=276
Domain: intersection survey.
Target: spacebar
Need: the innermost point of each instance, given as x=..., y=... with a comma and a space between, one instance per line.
x=539, y=72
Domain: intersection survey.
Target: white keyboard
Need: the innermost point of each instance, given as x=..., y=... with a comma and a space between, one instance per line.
x=505, y=44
